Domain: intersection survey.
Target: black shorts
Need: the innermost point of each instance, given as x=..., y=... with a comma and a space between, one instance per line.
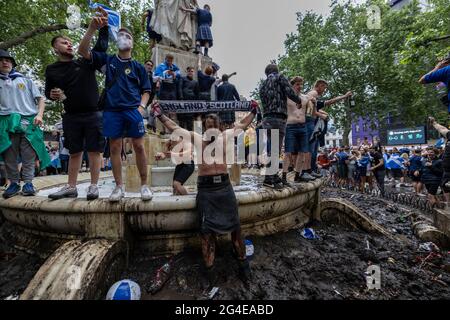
x=183, y=172
x=414, y=178
x=432, y=188
x=83, y=132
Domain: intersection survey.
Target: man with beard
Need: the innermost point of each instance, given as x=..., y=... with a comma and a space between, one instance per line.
x=73, y=82
x=215, y=189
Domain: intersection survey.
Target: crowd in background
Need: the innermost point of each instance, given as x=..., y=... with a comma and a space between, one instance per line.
x=369, y=166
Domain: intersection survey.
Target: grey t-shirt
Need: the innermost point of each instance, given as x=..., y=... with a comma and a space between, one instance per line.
x=19, y=96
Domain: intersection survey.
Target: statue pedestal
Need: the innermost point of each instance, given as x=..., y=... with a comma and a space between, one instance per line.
x=182, y=59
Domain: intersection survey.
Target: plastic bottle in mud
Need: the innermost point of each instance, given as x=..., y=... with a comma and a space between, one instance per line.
x=162, y=275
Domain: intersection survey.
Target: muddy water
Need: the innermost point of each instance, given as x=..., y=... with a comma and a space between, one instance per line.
x=17, y=268
x=287, y=266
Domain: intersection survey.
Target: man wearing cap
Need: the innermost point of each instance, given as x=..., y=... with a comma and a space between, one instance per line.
x=21, y=111
x=127, y=93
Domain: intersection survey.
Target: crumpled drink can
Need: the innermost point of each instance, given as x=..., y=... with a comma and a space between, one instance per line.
x=249, y=248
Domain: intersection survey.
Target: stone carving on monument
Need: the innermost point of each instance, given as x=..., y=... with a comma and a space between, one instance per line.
x=177, y=28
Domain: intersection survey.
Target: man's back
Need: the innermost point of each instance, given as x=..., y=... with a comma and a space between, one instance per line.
x=227, y=92
x=274, y=92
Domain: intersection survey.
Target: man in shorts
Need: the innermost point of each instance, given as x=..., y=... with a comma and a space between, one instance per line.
x=127, y=93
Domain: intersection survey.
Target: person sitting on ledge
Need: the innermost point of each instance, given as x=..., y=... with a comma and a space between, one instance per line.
x=215, y=189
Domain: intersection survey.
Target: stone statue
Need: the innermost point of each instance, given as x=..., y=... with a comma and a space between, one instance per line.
x=177, y=28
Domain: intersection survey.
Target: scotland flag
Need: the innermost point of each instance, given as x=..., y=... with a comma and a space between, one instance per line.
x=114, y=21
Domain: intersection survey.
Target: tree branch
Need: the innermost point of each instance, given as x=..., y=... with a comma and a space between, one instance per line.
x=30, y=34
x=439, y=38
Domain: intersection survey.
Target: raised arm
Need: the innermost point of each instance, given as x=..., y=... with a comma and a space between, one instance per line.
x=338, y=99
x=436, y=74
x=441, y=129
x=167, y=122
x=248, y=119
x=96, y=23
x=144, y=18
x=194, y=11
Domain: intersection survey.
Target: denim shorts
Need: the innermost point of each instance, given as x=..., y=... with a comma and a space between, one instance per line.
x=310, y=125
x=296, y=139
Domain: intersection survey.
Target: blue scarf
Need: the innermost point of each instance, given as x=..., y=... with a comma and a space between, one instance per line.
x=12, y=75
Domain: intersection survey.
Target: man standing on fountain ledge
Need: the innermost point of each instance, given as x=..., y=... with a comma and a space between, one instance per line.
x=127, y=93
x=73, y=83
x=274, y=92
x=313, y=113
x=21, y=111
x=214, y=190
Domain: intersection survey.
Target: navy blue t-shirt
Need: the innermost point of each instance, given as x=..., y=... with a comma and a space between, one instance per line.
x=132, y=82
x=342, y=156
x=441, y=75
x=415, y=163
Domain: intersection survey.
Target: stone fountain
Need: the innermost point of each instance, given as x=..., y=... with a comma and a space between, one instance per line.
x=88, y=244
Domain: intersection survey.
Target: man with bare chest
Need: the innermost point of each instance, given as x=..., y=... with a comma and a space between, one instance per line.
x=216, y=201
x=296, y=140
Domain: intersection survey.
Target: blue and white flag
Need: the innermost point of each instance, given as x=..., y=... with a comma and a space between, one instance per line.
x=114, y=21
x=440, y=143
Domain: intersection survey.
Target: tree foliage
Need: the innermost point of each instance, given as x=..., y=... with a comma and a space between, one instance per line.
x=381, y=66
x=48, y=18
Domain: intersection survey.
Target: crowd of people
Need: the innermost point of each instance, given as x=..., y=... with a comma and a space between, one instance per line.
x=95, y=125
x=370, y=166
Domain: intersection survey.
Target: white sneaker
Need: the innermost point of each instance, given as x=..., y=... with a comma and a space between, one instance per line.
x=117, y=194
x=146, y=193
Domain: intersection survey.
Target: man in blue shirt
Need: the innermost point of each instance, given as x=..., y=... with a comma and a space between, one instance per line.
x=127, y=93
x=440, y=73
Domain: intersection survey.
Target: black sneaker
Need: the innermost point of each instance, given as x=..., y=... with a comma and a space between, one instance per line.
x=316, y=175
x=272, y=183
x=285, y=183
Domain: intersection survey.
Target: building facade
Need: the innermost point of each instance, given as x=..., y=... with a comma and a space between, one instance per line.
x=364, y=128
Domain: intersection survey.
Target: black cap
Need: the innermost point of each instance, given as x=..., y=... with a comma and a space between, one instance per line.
x=5, y=54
